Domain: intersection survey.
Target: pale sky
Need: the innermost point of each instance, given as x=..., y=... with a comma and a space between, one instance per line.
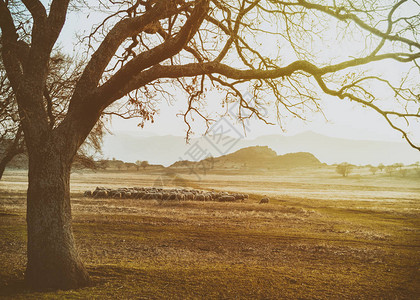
x=345, y=120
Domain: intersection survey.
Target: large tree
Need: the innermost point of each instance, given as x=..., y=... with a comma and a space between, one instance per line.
x=267, y=47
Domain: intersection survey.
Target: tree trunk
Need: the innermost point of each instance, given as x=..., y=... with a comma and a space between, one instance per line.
x=53, y=260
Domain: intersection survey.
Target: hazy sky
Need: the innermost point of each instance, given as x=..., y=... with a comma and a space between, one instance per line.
x=345, y=119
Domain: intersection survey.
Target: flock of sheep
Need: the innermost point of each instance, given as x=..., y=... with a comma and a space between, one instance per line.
x=154, y=193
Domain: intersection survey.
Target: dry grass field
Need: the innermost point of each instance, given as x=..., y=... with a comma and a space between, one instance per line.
x=320, y=237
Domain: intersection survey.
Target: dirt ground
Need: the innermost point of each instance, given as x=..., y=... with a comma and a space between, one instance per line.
x=320, y=237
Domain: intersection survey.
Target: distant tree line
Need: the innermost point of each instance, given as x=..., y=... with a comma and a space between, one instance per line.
x=115, y=164
x=345, y=169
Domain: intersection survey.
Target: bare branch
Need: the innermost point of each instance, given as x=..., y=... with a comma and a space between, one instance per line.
x=114, y=88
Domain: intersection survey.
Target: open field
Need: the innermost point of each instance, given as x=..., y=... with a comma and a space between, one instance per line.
x=321, y=237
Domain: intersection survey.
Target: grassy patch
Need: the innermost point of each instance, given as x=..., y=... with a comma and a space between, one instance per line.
x=294, y=247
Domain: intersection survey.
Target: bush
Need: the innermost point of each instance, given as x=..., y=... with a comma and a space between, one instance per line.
x=344, y=169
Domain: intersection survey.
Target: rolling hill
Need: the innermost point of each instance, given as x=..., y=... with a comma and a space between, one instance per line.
x=255, y=158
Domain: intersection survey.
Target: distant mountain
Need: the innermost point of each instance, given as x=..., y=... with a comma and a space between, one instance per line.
x=336, y=150
x=168, y=149
x=255, y=157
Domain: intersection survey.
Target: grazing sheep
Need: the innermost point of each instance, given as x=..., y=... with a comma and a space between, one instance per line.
x=227, y=199
x=264, y=200
x=239, y=197
x=180, y=194
x=200, y=197
x=152, y=196
x=207, y=197
x=101, y=194
x=180, y=197
x=216, y=196
x=99, y=189
x=172, y=196
x=189, y=196
x=158, y=196
x=116, y=195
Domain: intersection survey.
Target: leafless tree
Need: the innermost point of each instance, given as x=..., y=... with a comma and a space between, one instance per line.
x=143, y=50
x=11, y=137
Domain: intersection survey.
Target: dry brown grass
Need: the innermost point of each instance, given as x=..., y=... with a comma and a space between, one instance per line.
x=298, y=246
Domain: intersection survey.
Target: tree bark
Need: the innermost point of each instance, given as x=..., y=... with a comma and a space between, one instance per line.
x=53, y=260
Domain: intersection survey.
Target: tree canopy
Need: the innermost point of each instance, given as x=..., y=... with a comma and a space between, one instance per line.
x=278, y=50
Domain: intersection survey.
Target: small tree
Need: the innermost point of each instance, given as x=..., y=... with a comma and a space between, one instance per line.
x=344, y=169
x=390, y=169
x=373, y=170
x=138, y=164
x=381, y=167
x=144, y=164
